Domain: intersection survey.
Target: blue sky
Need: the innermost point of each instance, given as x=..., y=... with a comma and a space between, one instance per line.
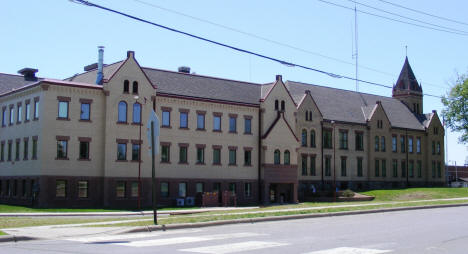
x=59, y=37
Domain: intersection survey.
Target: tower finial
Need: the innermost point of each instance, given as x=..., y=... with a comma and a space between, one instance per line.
x=406, y=50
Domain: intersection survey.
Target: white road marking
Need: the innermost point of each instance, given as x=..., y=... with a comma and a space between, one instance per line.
x=234, y=247
x=349, y=250
x=103, y=238
x=186, y=239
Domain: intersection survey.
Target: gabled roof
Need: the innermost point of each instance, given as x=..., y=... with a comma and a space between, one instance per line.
x=407, y=79
x=11, y=82
x=347, y=106
x=272, y=126
x=90, y=76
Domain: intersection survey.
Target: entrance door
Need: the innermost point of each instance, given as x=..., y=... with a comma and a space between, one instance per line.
x=273, y=193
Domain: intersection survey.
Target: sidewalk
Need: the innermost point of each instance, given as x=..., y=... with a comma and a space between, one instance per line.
x=75, y=230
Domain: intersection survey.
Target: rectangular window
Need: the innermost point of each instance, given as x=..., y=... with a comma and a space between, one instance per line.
x=232, y=156
x=377, y=168
x=433, y=169
x=247, y=158
x=410, y=144
x=136, y=152
x=200, y=121
x=4, y=117
x=233, y=124
x=60, y=188
x=438, y=147
x=134, y=190
x=419, y=168
x=403, y=169
x=327, y=166
x=182, y=154
x=25, y=149
x=343, y=140
x=200, y=155
x=165, y=153
x=411, y=169
x=15, y=187
x=63, y=109
x=2, y=152
x=304, y=165
x=247, y=189
x=232, y=187
x=394, y=144
x=343, y=166
x=85, y=111
x=216, y=156
x=382, y=144
x=19, y=114
x=433, y=147
x=164, y=189
x=359, y=141
x=183, y=120
x=395, y=168
x=27, y=115
x=247, y=125
x=216, y=123
x=62, y=150
x=359, y=166
x=17, y=150
x=439, y=170
x=166, y=118
x=312, y=166
x=121, y=151
x=182, y=190
x=199, y=187
x=36, y=109
x=84, y=150
x=10, y=150
x=384, y=168
x=12, y=115
x=34, y=149
x=82, y=189
x=120, y=189
x=376, y=143
x=327, y=139
x=403, y=144
x=23, y=188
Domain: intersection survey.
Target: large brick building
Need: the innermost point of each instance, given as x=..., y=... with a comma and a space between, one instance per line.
x=76, y=142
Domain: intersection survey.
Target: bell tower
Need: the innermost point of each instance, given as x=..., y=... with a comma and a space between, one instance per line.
x=407, y=89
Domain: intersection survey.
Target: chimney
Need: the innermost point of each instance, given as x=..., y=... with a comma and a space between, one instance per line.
x=279, y=78
x=184, y=69
x=29, y=74
x=100, y=74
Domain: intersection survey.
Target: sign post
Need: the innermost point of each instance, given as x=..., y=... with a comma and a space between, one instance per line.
x=153, y=136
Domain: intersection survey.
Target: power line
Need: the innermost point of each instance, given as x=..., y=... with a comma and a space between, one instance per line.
x=412, y=19
x=287, y=63
x=267, y=39
x=425, y=13
x=396, y=20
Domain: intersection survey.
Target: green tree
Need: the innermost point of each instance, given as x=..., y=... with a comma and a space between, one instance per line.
x=456, y=108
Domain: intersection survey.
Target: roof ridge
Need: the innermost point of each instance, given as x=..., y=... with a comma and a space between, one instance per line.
x=105, y=65
x=203, y=76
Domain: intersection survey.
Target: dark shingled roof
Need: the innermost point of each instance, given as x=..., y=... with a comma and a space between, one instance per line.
x=191, y=85
x=349, y=106
x=90, y=76
x=10, y=82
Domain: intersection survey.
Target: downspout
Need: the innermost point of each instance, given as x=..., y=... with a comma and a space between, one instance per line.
x=321, y=147
x=260, y=147
x=407, y=158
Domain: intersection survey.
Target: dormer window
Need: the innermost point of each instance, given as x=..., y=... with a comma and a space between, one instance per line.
x=126, y=87
x=135, y=87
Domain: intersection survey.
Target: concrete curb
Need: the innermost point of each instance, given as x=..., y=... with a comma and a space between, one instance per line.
x=13, y=238
x=283, y=217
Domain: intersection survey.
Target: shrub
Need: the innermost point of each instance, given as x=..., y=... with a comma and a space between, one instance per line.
x=348, y=193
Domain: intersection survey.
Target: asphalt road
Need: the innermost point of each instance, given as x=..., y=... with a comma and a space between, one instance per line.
x=443, y=230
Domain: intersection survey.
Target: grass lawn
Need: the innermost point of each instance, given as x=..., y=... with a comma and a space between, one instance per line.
x=25, y=209
x=416, y=194
x=2, y=233
x=17, y=222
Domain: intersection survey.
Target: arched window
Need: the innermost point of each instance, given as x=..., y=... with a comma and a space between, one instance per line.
x=312, y=138
x=126, y=86
x=122, y=112
x=136, y=112
x=304, y=138
x=277, y=157
x=287, y=157
x=282, y=106
x=135, y=87
x=276, y=105
x=307, y=115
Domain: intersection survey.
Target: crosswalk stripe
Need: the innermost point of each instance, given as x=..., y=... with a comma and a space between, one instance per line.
x=349, y=250
x=234, y=247
x=186, y=239
x=103, y=238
